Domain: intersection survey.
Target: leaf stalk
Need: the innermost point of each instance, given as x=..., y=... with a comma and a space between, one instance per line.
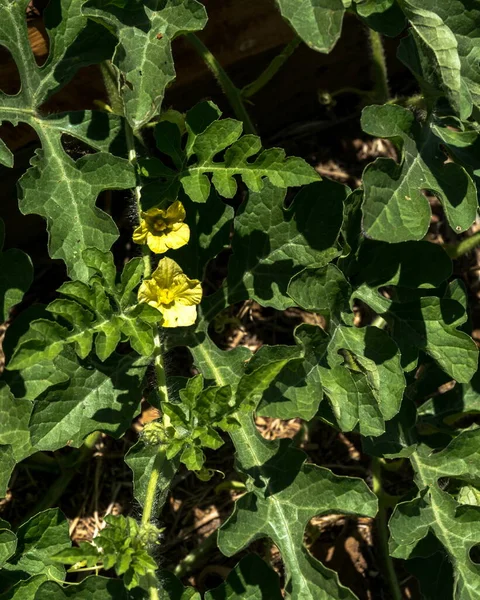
x=233, y=94
x=381, y=91
x=382, y=529
x=272, y=69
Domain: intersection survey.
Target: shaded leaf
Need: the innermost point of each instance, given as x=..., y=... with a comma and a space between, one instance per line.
x=144, y=54
x=319, y=24
x=395, y=209
x=435, y=510
x=251, y=579
x=364, y=382
x=16, y=275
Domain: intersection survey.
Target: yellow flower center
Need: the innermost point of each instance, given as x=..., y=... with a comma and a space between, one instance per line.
x=166, y=296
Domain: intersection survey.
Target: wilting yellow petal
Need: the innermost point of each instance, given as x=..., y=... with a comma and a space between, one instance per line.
x=173, y=293
x=162, y=229
x=140, y=234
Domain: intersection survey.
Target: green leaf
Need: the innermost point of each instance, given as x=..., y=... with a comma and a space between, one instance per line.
x=325, y=290
x=89, y=310
x=56, y=187
x=407, y=265
x=435, y=510
x=296, y=391
x=364, y=382
x=171, y=588
x=6, y=156
x=39, y=539
x=395, y=209
x=75, y=223
x=319, y=24
x=16, y=276
x=271, y=244
x=91, y=587
x=103, y=398
x=210, y=230
x=144, y=54
x=251, y=579
x=8, y=544
x=428, y=324
x=447, y=32
x=24, y=590
x=208, y=136
x=29, y=383
x=141, y=458
x=292, y=493
x=14, y=434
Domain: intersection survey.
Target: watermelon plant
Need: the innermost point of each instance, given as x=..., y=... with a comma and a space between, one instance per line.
x=80, y=367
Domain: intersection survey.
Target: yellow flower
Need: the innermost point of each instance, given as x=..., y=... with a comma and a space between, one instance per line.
x=163, y=230
x=173, y=293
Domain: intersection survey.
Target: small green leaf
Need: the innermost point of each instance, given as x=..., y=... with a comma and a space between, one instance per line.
x=209, y=136
x=89, y=310
x=395, y=209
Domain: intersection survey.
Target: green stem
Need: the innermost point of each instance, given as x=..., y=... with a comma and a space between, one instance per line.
x=382, y=529
x=277, y=63
x=381, y=92
x=232, y=93
x=151, y=493
x=137, y=191
x=463, y=247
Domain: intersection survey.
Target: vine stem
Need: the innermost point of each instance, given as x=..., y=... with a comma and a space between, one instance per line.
x=272, y=69
x=230, y=90
x=381, y=91
x=151, y=493
x=382, y=528
x=463, y=247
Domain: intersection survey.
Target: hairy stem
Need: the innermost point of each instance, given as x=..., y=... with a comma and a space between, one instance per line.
x=277, y=63
x=230, y=90
x=132, y=157
x=463, y=247
x=381, y=91
x=382, y=529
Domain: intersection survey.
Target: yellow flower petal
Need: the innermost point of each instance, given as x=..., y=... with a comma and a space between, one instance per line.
x=163, y=229
x=157, y=243
x=176, y=212
x=140, y=234
x=179, y=316
x=172, y=293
